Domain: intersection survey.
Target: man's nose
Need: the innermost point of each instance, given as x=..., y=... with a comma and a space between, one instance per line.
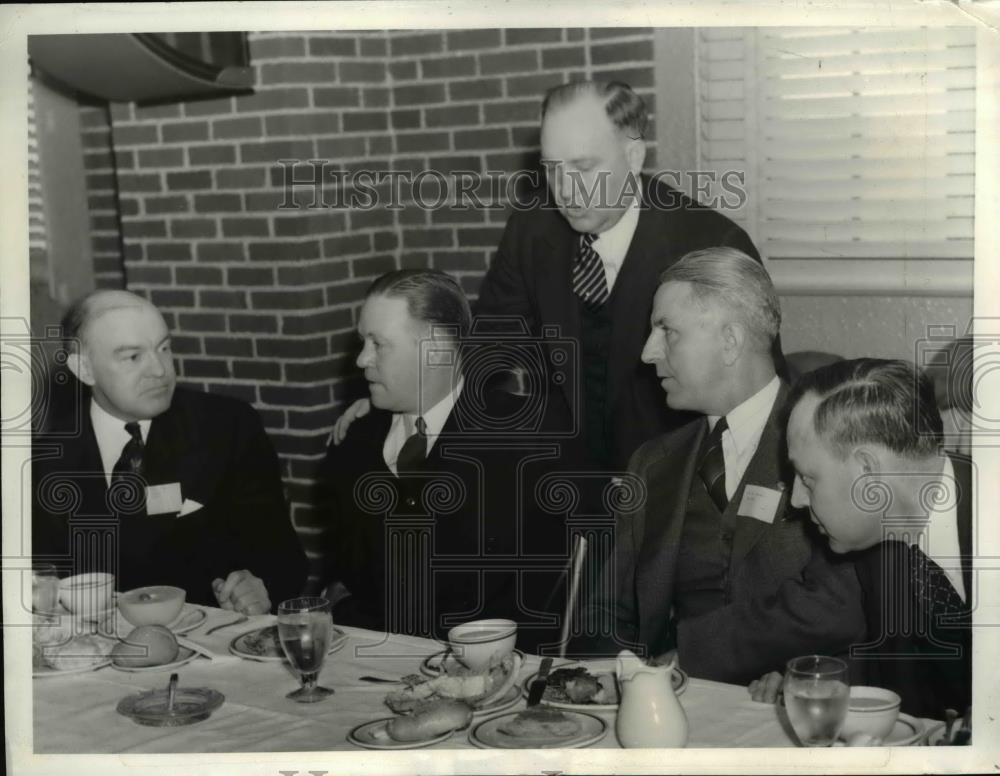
x=800, y=494
x=158, y=365
x=652, y=351
x=364, y=357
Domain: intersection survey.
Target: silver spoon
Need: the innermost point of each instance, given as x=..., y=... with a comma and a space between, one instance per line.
x=240, y=621
x=380, y=679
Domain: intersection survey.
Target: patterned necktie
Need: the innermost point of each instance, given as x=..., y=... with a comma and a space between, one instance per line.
x=413, y=453
x=931, y=585
x=713, y=466
x=589, y=281
x=130, y=461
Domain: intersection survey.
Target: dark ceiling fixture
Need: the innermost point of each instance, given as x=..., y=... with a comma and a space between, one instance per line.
x=145, y=67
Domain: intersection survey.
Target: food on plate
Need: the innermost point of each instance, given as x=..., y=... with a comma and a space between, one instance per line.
x=458, y=683
x=540, y=722
x=79, y=652
x=578, y=685
x=147, y=645
x=52, y=629
x=429, y=720
x=263, y=642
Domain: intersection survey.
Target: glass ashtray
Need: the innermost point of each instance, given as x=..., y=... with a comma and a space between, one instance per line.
x=172, y=706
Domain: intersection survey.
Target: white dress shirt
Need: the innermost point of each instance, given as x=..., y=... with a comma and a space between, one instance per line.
x=112, y=436
x=941, y=531
x=746, y=424
x=612, y=244
x=404, y=425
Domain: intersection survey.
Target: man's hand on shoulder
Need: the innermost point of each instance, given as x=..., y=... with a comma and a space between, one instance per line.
x=359, y=409
x=241, y=591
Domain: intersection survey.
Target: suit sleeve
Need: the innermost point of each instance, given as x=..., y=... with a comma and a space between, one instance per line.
x=817, y=611
x=503, y=290
x=264, y=540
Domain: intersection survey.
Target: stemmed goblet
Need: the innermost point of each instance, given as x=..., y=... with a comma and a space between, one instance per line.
x=305, y=629
x=816, y=698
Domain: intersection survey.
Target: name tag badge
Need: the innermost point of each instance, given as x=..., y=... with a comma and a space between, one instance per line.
x=163, y=499
x=760, y=503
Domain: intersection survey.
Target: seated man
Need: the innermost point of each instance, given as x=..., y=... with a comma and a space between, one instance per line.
x=864, y=437
x=158, y=484
x=712, y=564
x=431, y=496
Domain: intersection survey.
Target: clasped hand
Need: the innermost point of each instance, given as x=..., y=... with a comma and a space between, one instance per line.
x=241, y=591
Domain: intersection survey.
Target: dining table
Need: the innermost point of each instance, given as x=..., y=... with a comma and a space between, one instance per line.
x=77, y=712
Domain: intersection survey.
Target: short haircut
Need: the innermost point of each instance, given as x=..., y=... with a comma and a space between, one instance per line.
x=80, y=312
x=626, y=109
x=873, y=401
x=431, y=296
x=736, y=282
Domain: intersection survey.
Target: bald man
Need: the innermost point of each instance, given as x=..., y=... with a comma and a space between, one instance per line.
x=154, y=483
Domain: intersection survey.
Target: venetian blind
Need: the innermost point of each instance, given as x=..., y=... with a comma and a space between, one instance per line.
x=855, y=143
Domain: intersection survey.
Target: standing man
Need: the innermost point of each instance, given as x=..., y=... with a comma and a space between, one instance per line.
x=431, y=501
x=590, y=263
x=864, y=437
x=587, y=260
x=166, y=486
x=712, y=565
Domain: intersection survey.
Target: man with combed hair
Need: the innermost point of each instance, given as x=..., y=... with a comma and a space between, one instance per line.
x=864, y=437
x=583, y=258
x=171, y=486
x=712, y=564
x=430, y=498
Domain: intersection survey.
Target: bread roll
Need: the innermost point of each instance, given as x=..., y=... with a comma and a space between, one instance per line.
x=429, y=720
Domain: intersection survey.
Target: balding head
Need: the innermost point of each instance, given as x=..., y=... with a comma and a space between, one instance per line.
x=119, y=345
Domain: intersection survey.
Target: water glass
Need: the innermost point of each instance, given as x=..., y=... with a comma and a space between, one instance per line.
x=44, y=588
x=305, y=629
x=816, y=698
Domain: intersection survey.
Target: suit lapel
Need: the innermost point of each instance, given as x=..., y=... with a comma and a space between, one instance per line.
x=964, y=513
x=765, y=470
x=166, y=458
x=668, y=481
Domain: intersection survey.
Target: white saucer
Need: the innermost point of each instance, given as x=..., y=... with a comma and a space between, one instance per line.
x=184, y=656
x=487, y=735
x=372, y=735
x=433, y=665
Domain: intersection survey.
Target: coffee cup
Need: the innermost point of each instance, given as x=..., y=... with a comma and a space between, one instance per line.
x=87, y=595
x=482, y=643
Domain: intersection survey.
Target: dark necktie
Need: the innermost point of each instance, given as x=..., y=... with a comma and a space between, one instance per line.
x=589, y=281
x=931, y=585
x=127, y=492
x=413, y=453
x=130, y=461
x=713, y=466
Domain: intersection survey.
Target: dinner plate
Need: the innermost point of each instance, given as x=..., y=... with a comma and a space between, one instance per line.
x=596, y=668
x=47, y=671
x=487, y=735
x=508, y=699
x=373, y=735
x=433, y=665
x=191, y=617
x=239, y=646
x=184, y=656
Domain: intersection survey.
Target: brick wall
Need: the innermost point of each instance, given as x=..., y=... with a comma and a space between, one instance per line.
x=263, y=300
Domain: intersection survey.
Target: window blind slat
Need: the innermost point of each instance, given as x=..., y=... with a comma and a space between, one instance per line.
x=937, y=249
x=781, y=42
x=882, y=210
x=856, y=188
x=915, y=83
x=834, y=149
x=913, y=61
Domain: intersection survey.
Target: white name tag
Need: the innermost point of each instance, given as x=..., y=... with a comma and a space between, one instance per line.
x=163, y=499
x=760, y=503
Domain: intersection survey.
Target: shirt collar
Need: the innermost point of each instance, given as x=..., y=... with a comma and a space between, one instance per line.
x=746, y=421
x=612, y=244
x=105, y=424
x=437, y=415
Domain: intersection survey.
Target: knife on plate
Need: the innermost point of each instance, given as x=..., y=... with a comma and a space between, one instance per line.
x=537, y=687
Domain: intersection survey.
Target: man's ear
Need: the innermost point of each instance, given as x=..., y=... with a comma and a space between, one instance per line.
x=635, y=152
x=79, y=365
x=867, y=460
x=734, y=339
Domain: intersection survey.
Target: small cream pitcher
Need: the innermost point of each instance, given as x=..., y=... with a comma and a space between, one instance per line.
x=649, y=714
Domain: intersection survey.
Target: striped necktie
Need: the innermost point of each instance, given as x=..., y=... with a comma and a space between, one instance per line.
x=589, y=281
x=713, y=466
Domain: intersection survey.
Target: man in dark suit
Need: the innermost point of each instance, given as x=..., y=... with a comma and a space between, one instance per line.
x=864, y=437
x=582, y=259
x=154, y=483
x=431, y=502
x=711, y=565
x=587, y=259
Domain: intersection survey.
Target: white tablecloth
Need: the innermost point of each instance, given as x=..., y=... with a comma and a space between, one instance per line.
x=77, y=713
